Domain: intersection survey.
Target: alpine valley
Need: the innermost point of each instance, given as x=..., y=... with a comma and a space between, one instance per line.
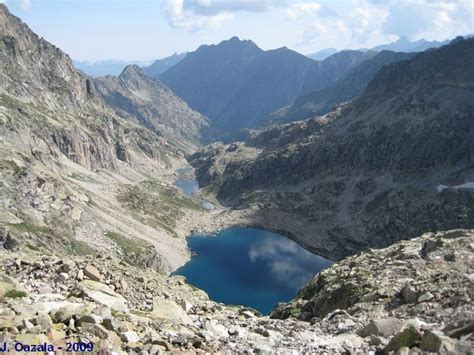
x=364, y=157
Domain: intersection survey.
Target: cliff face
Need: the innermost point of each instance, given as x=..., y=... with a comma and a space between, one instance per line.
x=366, y=174
x=68, y=161
x=138, y=98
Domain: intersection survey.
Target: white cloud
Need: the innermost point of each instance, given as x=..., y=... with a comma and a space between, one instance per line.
x=429, y=19
x=299, y=10
x=179, y=17
x=365, y=23
x=195, y=15
x=25, y=4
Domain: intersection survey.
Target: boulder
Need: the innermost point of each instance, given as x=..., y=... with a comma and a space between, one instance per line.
x=101, y=294
x=92, y=273
x=382, y=327
x=436, y=342
x=409, y=294
x=407, y=338
x=130, y=337
x=425, y=297
x=165, y=309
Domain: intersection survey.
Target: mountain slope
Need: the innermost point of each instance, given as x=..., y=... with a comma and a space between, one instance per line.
x=369, y=173
x=234, y=83
x=322, y=101
x=159, y=66
x=138, y=98
x=322, y=54
x=75, y=177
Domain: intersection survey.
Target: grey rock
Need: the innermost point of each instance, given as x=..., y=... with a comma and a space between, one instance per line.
x=382, y=327
x=409, y=337
x=92, y=273
x=425, y=297
x=409, y=294
x=435, y=341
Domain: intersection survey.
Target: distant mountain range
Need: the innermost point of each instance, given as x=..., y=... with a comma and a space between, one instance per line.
x=105, y=67
x=161, y=65
x=351, y=85
x=403, y=44
x=235, y=83
x=322, y=54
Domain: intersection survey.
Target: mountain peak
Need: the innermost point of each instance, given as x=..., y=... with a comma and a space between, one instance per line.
x=237, y=42
x=132, y=70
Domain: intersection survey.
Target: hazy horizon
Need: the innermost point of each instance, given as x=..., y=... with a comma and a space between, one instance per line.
x=141, y=31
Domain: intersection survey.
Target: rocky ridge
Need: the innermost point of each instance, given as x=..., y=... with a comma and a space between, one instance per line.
x=413, y=296
x=74, y=173
x=148, y=102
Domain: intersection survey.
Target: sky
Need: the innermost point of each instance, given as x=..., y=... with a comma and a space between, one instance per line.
x=149, y=29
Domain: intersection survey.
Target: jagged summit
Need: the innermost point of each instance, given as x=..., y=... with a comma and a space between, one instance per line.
x=132, y=70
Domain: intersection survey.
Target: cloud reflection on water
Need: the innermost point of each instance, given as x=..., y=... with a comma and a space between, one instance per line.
x=289, y=264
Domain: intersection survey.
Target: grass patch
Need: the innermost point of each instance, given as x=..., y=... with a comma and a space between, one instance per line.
x=32, y=247
x=81, y=248
x=30, y=228
x=15, y=294
x=127, y=245
x=12, y=166
x=156, y=205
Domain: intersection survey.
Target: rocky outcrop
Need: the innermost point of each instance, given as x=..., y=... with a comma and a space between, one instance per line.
x=366, y=174
x=148, y=102
x=134, y=310
x=409, y=287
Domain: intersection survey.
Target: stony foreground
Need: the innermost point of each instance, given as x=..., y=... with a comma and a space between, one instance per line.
x=415, y=294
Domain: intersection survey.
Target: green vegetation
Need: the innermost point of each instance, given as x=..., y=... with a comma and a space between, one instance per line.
x=81, y=177
x=11, y=165
x=32, y=247
x=127, y=245
x=15, y=294
x=30, y=228
x=81, y=248
x=156, y=205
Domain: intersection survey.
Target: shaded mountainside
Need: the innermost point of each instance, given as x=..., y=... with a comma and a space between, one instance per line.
x=75, y=177
x=235, y=83
x=322, y=101
x=159, y=66
x=138, y=98
x=367, y=174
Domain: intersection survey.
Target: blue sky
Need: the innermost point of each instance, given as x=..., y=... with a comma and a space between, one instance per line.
x=148, y=29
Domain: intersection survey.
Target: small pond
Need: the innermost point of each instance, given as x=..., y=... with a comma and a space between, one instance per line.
x=250, y=267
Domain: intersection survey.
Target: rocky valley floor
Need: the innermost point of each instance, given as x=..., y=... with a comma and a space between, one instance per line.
x=413, y=297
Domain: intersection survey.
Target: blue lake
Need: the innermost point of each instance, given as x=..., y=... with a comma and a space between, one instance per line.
x=250, y=267
x=188, y=186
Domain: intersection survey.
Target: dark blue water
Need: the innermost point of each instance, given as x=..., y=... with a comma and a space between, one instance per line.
x=188, y=186
x=251, y=267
